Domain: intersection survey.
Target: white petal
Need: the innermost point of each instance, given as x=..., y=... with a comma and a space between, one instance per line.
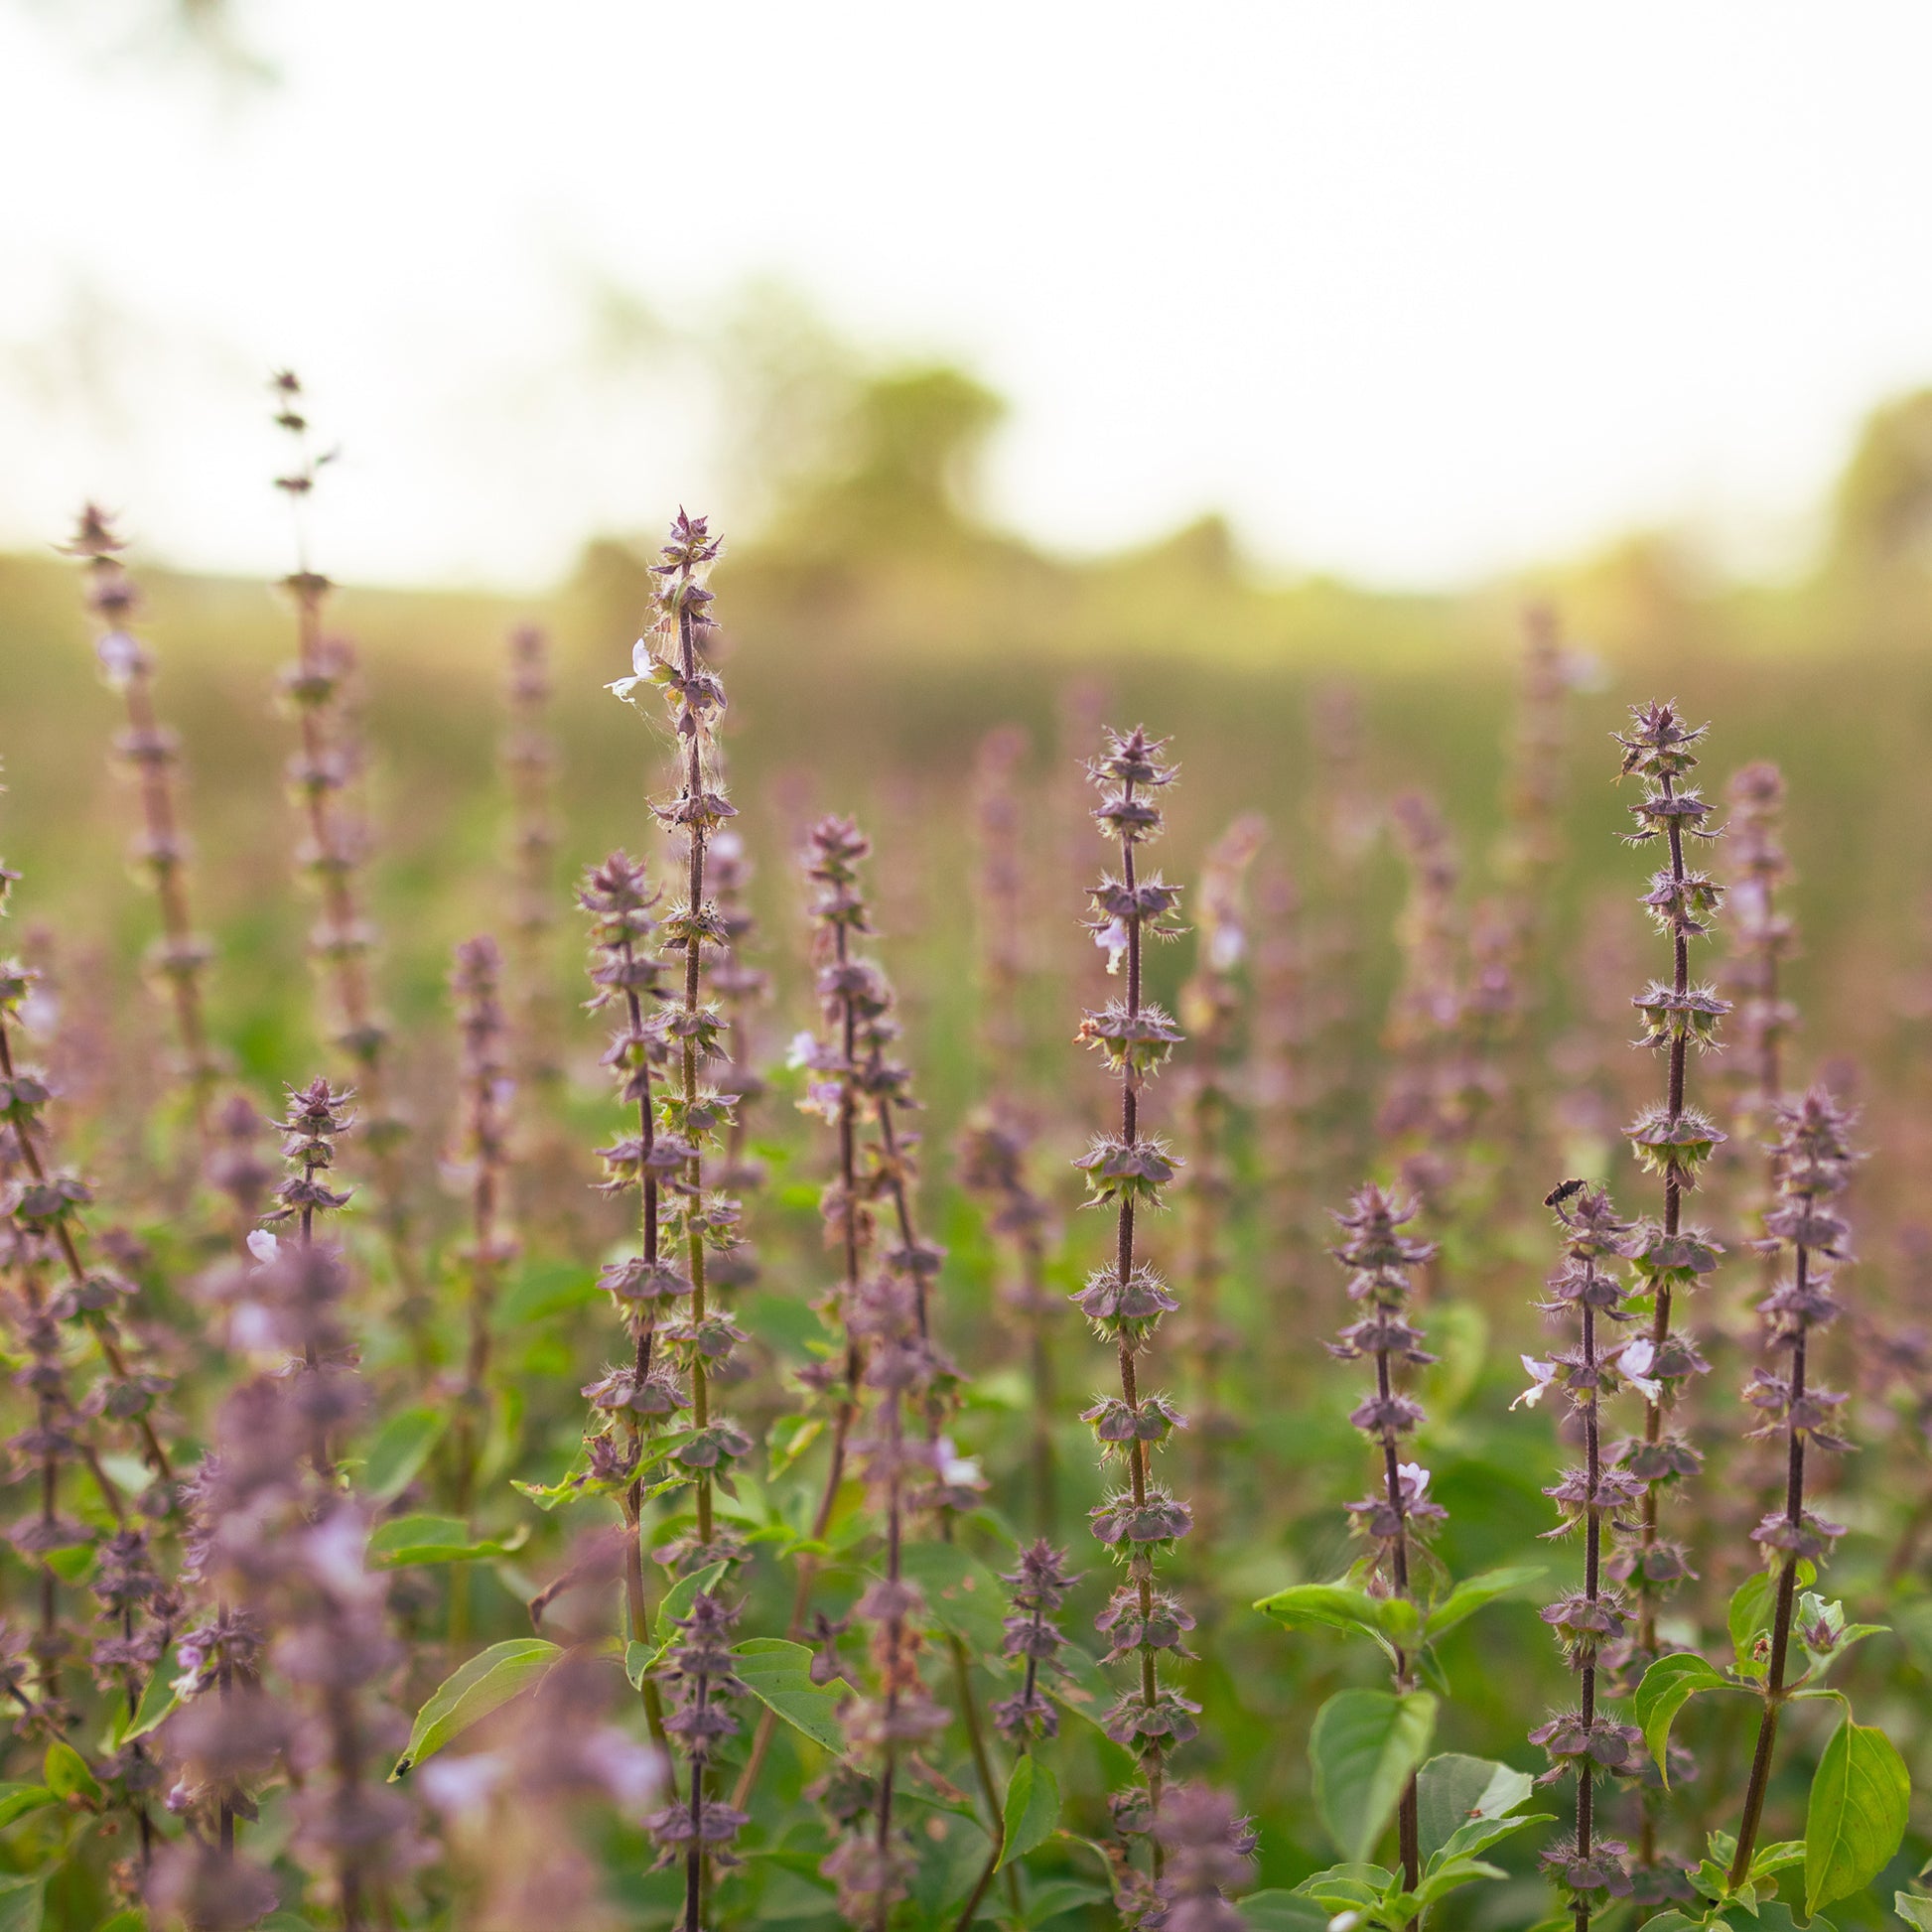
x=640, y=660
x=263, y=1246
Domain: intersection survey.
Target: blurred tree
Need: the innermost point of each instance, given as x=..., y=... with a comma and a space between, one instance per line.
x=1882, y=509
x=905, y=475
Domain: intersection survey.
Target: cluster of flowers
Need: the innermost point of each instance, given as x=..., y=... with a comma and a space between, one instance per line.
x=276, y=1550
x=1396, y=1518
x=1126, y=1299
x=151, y=752
x=1674, y=1141
x=1597, y=1497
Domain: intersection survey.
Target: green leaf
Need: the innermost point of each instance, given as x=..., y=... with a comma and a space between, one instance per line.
x=1466, y=1599
x=17, y=1800
x=1667, y=1686
x=639, y=1659
x=1751, y=1607
x=1032, y=1810
x=404, y=1541
x=1328, y=1606
x=485, y=1684
x=1364, y=1745
x=1345, y=1887
x=963, y=1594
x=66, y=1776
x=1857, y=1815
x=1283, y=1911
x=1061, y=1895
x=1450, y=1874
x=1913, y=1908
x=779, y=1674
x=1482, y=1832
x=400, y=1450
x=134, y=1919
x=158, y=1700
x=551, y=1495
x=1777, y=1858
x=22, y=1899
x=71, y=1564
x=543, y=1289
x=1454, y=1791
x=791, y=1437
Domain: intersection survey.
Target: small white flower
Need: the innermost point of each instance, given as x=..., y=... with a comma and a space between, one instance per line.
x=1227, y=947
x=1542, y=1374
x=1634, y=1365
x=1417, y=1478
x=826, y=1099
x=1344, y=1922
x=961, y=1470
x=803, y=1046
x=263, y=1246
x=1112, y=941
x=625, y=688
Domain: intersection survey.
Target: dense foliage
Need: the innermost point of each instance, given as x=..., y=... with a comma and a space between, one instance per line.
x=606, y=1451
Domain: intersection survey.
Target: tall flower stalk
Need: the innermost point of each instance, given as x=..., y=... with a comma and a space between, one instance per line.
x=1381, y=1259
x=151, y=753
x=1127, y=1172
x=1805, y=1226
x=45, y=1202
x=698, y=1669
x=1589, y=1869
x=1673, y=1141
x=835, y=849
x=872, y=1867
x=635, y=1398
x=885, y=1085
x=691, y=1113
x=327, y=762
x=694, y=1112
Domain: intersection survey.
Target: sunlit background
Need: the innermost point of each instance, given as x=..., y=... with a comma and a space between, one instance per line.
x=1413, y=294
x=1249, y=370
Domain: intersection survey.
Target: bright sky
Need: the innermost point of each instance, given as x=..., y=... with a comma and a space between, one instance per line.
x=1413, y=291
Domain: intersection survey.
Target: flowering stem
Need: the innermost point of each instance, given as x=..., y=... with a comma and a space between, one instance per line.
x=1812, y=1161
x=1660, y=1321
x=1774, y=1692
